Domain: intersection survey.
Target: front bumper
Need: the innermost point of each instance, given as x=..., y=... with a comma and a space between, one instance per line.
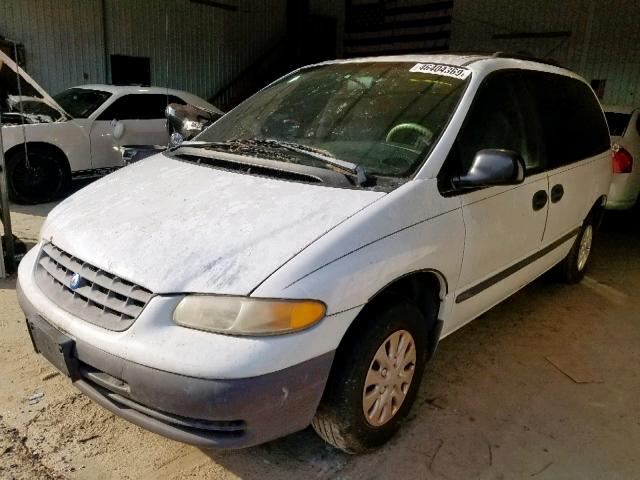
x=209, y=413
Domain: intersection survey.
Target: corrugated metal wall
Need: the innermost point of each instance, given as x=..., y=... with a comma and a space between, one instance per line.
x=207, y=47
x=63, y=39
x=334, y=9
x=400, y=26
x=604, y=41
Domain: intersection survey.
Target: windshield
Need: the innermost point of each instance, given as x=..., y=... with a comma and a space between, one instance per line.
x=617, y=122
x=81, y=102
x=36, y=107
x=381, y=116
x=16, y=91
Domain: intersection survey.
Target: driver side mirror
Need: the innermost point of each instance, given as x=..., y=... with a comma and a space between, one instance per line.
x=492, y=167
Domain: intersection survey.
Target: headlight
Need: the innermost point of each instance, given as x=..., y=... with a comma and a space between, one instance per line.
x=247, y=316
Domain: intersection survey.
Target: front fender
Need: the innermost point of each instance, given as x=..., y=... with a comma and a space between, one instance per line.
x=413, y=228
x=70, y=137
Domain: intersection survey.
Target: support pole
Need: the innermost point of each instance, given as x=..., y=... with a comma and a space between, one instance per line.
x=9, y=266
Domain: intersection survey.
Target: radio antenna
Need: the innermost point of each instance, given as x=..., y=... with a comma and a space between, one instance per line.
x=166, y=50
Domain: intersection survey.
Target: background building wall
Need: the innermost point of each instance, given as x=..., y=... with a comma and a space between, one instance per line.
x=396, y=27
x=604, y=40
x=67, y=41
x=334, y=9
x=206, y=46
x=63, y=39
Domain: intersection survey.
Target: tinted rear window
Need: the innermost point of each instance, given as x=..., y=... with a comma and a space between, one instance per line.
x=573, y=125
x=617, y=123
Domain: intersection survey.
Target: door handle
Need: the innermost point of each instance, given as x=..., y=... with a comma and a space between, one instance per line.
x=556, y=193
x=539, y=199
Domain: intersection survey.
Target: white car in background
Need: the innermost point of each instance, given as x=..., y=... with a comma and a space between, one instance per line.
x=76, y=133
x=624, y=128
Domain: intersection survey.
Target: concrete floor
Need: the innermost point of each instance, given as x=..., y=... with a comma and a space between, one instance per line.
x=544, y=386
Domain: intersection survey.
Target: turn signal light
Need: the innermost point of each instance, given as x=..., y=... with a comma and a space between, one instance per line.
x=622, y=161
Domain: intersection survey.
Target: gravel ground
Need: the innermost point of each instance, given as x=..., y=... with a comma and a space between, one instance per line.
x=543, y=386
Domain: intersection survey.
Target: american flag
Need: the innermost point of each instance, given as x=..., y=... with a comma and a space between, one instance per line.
x=382, y=27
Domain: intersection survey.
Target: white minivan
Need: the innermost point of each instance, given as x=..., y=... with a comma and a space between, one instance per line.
x=298, y=262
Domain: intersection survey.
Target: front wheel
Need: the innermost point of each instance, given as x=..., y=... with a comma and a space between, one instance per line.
x=573, y=267
x=375, y=380
x=37, y=177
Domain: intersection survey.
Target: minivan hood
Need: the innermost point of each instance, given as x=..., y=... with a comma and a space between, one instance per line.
x=173, y=226
x=28, y=86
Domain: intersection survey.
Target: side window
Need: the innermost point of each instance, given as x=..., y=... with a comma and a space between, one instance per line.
x=573, y=125
x=501, y=117
x=174, y=99
x=139, y=107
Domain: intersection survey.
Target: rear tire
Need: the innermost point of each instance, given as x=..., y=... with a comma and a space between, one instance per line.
x=42, y=179
x=348, y=416
x=573, y=267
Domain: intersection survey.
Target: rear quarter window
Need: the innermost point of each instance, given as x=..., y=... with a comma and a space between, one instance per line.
x=617, y=123
x=573, y=124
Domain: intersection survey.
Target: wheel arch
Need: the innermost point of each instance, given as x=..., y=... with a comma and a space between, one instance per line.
x=57, y=151
x=416, y=288
x=597, y=210
x=410, y=284
x=53, y=156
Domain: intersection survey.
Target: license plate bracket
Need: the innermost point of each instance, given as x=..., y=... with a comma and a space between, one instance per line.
x=54, y=345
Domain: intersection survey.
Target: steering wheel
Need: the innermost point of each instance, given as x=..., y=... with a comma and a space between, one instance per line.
x=423, y=131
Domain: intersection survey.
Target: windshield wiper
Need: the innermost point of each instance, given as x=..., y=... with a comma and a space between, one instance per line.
x=197, y=144
x=255, y=143
x=352, y=168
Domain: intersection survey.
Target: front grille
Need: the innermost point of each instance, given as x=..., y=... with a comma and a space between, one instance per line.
x=101, y=298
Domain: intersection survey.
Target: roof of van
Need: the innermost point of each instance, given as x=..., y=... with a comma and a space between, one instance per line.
x=474, y=61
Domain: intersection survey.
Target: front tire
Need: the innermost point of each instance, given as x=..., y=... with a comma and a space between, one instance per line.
x=375, y=379
x=38, y=177
x=574, y=265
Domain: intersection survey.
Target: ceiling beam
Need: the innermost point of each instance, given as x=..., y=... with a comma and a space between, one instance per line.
x=223, y=6
x=509, y=36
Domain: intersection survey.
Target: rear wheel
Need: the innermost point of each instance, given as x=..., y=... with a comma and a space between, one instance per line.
x=375, y=379
x=573, y=267
x=40, y=176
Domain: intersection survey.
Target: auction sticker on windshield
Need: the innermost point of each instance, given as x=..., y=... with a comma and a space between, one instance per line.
x=444, y=70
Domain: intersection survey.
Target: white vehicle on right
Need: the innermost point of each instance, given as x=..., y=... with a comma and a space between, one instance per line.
x=624, y=128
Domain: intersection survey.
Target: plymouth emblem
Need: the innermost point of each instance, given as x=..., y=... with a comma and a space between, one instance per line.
x=76, y=281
